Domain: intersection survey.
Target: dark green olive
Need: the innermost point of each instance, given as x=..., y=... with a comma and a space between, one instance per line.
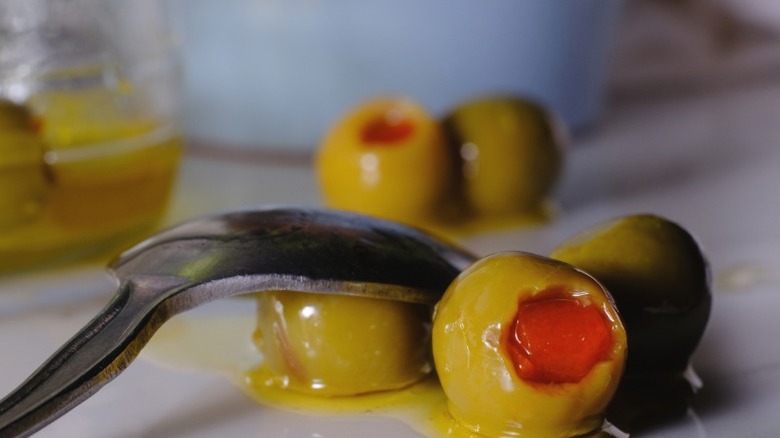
x=23, y=181
x=15, y=117
x=659, y=278
x=510, y=151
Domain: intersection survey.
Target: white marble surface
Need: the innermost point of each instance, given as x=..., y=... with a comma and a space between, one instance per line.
x=708, y=159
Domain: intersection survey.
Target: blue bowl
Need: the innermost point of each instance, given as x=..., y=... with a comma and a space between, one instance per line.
x=277, y=73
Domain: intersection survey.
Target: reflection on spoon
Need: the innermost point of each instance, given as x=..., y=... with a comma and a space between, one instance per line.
x=306, y=250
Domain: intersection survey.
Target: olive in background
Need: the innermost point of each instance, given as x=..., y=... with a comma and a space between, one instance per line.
x=660, y=280
x=386, y=157
x=511, y=152
x=23, y=181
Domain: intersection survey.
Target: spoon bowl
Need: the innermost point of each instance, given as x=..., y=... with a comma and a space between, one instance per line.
x=239, y=252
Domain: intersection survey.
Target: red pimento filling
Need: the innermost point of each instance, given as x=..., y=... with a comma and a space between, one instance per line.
x=557, y=338
x=390, y=127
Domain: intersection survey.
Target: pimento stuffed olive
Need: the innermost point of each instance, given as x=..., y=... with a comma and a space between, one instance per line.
x=387, y=158
x=527, y=346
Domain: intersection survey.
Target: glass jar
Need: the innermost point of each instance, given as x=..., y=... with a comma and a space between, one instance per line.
x=90, y=138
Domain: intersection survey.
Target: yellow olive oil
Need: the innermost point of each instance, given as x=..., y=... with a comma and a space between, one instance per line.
x=77, y=178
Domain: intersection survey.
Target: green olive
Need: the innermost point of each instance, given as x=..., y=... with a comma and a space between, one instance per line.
x=660, y=280
x=526, y=346
x=23, y=182
x=387, y=158
x=511, y=154
x=329, y=345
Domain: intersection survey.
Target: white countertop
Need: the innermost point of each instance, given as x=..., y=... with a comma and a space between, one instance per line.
x=706, y=158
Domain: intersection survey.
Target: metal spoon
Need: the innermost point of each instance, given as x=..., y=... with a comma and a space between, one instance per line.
x=299, y=249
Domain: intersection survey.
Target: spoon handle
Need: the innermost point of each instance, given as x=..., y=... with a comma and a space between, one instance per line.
x=88, y=361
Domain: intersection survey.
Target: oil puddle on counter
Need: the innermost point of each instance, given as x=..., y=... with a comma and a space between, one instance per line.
x=218, y=340
x=222, y=344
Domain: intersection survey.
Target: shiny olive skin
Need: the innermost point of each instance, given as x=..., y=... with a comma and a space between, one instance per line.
x=660, y=280
x=472, y=340
x=334, y=345
x=387, y=158
x=511, y=153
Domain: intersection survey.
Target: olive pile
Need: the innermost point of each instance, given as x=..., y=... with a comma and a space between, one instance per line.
x=489, y=158
x=523, y=345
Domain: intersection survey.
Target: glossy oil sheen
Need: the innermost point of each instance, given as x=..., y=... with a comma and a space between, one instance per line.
x=332, y=345
x=86, y=186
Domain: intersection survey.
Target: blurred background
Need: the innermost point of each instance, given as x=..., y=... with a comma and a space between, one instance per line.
x=115, y=90
x=669, y=47
x=280, y=72
x=276, y=74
